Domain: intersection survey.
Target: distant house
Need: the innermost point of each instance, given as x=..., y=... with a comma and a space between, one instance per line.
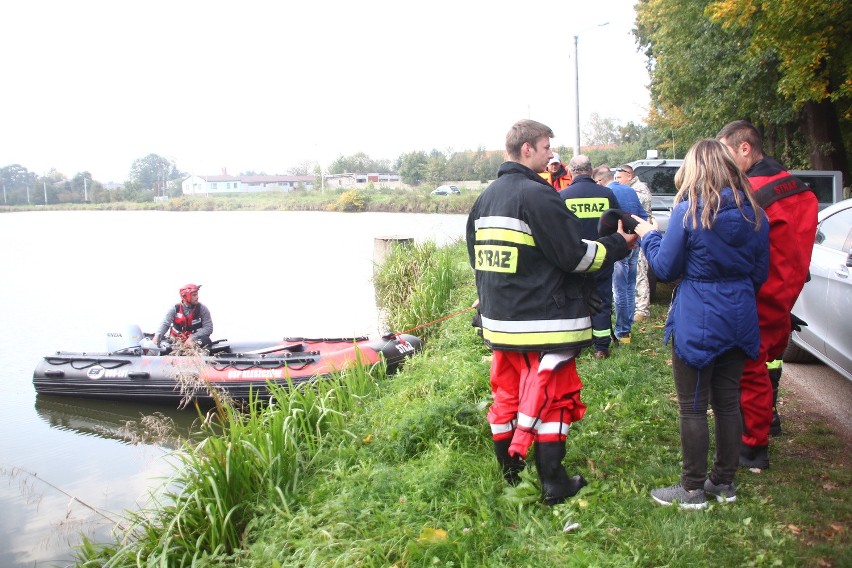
x=358, y=180
x=205, y=185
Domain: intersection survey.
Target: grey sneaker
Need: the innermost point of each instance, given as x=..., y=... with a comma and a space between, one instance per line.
x=723, y=492
x=685, y=499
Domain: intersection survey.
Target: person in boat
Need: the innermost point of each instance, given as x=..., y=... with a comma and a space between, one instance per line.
x=529, y=257
x=188, y=320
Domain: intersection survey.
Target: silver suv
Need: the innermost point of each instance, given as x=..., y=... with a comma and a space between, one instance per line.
x=658, y=175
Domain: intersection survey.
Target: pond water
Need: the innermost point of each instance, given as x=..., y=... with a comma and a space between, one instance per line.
x=69, y=277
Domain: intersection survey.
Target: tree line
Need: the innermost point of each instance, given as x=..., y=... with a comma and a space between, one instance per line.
x=785, y=65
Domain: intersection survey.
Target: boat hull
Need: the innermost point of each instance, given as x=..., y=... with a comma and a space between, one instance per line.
x=240, y=370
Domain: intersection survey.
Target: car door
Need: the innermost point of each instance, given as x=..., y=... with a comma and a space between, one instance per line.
x=831, y=257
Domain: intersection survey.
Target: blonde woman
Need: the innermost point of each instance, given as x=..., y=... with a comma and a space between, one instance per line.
x=717, y=244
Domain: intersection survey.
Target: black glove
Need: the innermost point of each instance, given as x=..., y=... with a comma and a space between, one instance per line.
x=477, y=323
x=796, y=323
x=608, y=223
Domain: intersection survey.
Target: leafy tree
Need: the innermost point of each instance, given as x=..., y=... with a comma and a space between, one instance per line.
x=14, y=180
x=302, y=169
x=359, y=163
x=708, y=68
x=411, y=167
x=812, y=40
x=601, y=131
x=153, y=172
x=434, y=171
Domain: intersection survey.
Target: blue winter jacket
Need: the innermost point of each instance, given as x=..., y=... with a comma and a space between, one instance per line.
x=721, y=269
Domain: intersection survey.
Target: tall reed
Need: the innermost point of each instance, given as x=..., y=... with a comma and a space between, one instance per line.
x=252, y=458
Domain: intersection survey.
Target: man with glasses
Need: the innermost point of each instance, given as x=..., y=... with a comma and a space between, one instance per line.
x=624, y=174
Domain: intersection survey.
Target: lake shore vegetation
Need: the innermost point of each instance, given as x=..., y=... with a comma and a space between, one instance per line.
x=376, y=470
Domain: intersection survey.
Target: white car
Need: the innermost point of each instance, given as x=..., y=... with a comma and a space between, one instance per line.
x=825, y=303
x=447, y=190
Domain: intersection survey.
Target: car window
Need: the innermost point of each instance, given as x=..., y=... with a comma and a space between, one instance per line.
x=659, y=179
x=836, y=231
x=823, y=187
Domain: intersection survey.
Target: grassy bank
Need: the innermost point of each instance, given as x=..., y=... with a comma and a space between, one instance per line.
x=369, y=198
x=399, y=471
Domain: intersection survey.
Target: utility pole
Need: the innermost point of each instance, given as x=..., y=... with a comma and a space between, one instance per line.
x=85, y=190
x=28, y=194
x=44, y=184
x=4, y=193
x=577, y=86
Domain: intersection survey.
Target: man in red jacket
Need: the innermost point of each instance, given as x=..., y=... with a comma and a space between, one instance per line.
x=792, y=210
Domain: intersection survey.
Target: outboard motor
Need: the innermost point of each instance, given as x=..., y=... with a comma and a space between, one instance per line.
x=126, y=339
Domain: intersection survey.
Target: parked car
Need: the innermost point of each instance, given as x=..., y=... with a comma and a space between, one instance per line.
x=658, y=175
x=447, y=190
x=825, y=303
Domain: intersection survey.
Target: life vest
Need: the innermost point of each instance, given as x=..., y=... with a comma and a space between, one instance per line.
x=185, y=323
x=562, y=180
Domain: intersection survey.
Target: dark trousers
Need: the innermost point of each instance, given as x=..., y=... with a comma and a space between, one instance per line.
x=719, y=385
x=602, y=321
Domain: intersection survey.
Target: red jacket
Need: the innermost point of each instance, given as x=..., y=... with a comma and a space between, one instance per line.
x=792, y=211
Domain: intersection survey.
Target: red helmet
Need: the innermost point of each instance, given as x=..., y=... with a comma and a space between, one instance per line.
x=187, y=291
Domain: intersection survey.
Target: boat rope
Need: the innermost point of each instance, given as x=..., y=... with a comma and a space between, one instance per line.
x=433, y=322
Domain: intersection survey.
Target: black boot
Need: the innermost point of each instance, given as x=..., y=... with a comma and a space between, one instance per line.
x=754, y=457
x=556, y=486
x=775, y=378
x=511, y=466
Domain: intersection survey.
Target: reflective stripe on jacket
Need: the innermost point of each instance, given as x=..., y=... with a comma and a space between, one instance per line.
x=526, y=249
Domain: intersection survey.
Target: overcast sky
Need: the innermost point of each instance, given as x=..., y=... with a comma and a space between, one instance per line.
x=264, y=86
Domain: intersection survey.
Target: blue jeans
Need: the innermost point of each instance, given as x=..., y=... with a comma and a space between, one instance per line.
x=624, y=292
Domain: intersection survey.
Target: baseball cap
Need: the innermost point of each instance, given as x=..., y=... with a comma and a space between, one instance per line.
x=554, y=159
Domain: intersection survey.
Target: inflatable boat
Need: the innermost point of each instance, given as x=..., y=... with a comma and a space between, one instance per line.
x=133, y=369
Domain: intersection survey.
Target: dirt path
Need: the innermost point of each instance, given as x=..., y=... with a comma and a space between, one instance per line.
x=816, y=392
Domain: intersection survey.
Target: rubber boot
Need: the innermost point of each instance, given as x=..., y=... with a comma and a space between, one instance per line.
x=556, y=486
x=754, y=457
x=512, y=466
x=775, y=378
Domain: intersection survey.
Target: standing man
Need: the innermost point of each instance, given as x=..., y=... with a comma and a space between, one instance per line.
x=624, y=272
x=556, y=173
x=588, y=200
x=625, y=175
x=792, y=210
x=529, y=257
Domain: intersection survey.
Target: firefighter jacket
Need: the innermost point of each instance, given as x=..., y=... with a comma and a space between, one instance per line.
x=529, y=258
x=588, y=200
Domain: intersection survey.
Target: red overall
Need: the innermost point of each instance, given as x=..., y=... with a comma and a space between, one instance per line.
x=536, y=397
x=792, y=227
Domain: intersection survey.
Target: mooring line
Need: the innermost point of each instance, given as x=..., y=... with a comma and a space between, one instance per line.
x=433, y=322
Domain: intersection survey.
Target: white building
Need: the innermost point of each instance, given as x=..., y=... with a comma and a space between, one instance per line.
x=206, y=185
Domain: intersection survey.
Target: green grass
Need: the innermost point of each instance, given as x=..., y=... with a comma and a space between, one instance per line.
x=399, y=471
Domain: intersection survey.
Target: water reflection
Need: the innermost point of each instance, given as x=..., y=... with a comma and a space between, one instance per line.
x=129, y=423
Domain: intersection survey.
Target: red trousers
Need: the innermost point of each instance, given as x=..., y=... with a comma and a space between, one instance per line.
x=536, y=397
x=792, y=225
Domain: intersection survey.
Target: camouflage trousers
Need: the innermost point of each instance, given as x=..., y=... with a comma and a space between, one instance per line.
x=643, y=290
